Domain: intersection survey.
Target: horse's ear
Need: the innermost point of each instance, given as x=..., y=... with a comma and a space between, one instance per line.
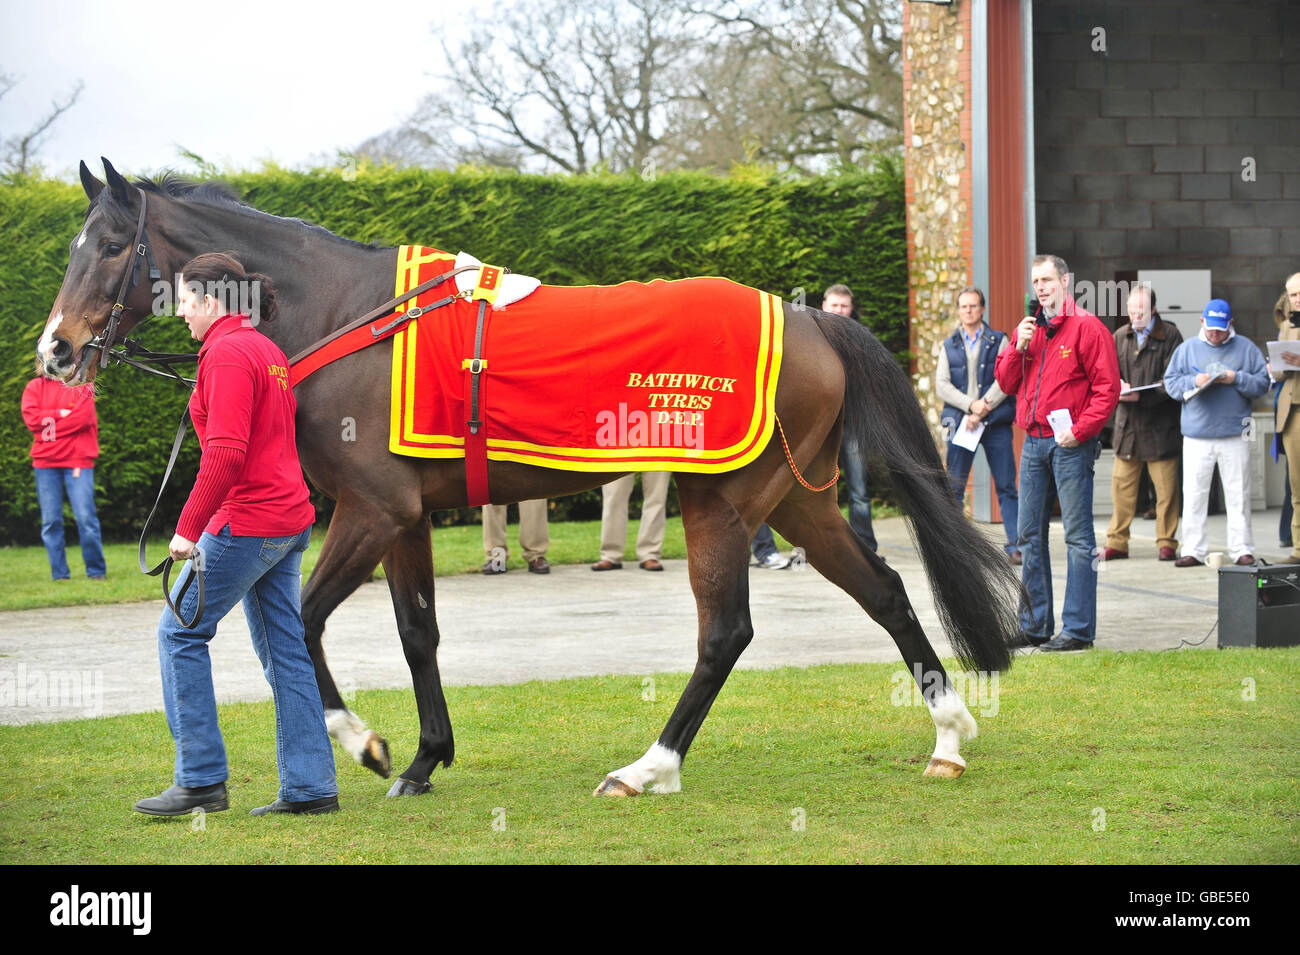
x=116, y=184
x=88, y=182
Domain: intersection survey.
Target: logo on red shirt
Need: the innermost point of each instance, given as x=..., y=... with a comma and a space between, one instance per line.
x=281, y=374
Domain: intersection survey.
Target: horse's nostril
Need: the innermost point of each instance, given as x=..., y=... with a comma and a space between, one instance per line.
x=61, y=351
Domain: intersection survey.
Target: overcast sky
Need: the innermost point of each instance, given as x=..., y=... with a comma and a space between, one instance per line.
x=234, y=81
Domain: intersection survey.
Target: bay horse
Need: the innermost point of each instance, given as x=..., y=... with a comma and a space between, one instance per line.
x=836, y=381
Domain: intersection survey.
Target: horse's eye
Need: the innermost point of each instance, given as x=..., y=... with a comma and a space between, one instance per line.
x=112, y=249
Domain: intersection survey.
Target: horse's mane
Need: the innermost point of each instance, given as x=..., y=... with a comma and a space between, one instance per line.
x=175, y=186
x=217, y=193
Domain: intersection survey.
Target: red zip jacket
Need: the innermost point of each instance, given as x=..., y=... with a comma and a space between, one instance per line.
x=243, y=410
x=1076, y=368
x=70, y=441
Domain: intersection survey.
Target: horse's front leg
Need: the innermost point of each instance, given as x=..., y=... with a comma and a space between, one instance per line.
x=409, y=567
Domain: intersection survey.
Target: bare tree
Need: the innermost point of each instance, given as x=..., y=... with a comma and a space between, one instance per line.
x=18, y=152
x=830, y=69
x=616, y=84
x=552, y=86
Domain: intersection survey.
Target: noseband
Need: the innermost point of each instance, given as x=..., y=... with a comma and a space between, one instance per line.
x=130, y=278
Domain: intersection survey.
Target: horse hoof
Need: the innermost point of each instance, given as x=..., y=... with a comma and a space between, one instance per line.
x=374, y=756
x=943, y=768
x=615, y=788
x=404, y=787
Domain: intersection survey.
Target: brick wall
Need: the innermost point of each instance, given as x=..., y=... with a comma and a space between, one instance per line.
x=936, y=136
x=1140, y=147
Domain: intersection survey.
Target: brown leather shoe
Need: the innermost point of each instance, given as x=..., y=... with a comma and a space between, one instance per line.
x=651, y=564
x=607, y=565
x=1246, y=560
x=539, y=566
x=1189, y=561
x=1167, y=553
x=1114, y=553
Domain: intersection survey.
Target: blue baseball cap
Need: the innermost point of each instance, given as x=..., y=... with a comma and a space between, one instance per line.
x=1218, y=314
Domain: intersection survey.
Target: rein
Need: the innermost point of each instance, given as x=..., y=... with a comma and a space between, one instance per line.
x=164, y=567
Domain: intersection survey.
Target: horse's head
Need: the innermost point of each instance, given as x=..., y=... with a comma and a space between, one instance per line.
x=105, y=260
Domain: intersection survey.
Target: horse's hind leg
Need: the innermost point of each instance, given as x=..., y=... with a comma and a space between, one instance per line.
x=717, y=541
x=409, y=568
x=814, y=522
x=358, y=536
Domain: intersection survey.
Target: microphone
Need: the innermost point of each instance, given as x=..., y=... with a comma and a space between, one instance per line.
x=1032, y=308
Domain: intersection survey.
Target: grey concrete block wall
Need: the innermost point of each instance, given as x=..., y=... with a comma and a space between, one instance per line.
x=1141, y=148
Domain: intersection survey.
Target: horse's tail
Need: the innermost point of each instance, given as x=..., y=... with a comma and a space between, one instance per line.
x=975, y=588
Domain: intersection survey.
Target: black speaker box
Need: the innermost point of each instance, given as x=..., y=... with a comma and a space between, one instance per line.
x=1259, y=606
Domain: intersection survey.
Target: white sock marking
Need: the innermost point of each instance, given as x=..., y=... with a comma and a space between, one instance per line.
x=350, y=731
x=660, y=770
x=953, y=723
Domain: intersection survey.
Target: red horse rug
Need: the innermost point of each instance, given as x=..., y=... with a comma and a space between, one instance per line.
x=658, y=376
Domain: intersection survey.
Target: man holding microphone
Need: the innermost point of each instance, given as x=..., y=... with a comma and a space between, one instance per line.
x=1065, y=375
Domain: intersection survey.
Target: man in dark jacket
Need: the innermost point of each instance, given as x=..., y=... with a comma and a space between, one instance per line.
x=971, y=396
x=1147, y=432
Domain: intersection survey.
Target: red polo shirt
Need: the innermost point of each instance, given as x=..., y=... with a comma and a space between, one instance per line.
x=243, y=408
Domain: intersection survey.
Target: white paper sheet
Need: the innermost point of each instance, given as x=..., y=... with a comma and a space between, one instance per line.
x=965, y=437
x=1060, y=421
x=1275, y=352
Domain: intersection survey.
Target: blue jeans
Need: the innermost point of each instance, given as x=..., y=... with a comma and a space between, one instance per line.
x=999, y=450
x=855, y=475
x=263, y=573
x=1042, y=462
x=763, y=544
x=50, y=485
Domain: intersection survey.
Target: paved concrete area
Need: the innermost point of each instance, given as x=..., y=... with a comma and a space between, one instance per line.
x=70, y=663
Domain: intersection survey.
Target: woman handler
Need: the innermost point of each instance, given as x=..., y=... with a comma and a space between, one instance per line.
x=247, y=523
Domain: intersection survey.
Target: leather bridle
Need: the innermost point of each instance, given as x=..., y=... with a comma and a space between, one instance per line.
x=130, y=278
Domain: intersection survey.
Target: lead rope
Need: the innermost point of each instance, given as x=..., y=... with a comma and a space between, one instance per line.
x=795, y=468
x=165, y=566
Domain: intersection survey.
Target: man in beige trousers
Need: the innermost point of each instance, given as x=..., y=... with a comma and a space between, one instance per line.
x=534, y=537
x=613, y=521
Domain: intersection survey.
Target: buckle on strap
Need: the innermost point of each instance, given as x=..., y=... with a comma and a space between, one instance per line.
x=476, y=366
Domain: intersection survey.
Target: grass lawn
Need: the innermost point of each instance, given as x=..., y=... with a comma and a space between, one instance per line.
x=1103, y=757
x=456, y=550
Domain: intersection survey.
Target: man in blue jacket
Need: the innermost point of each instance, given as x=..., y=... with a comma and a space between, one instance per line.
x=965, y=383
x=1216, y=375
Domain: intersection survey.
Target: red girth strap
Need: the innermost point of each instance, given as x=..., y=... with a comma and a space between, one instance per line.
x=476, y=470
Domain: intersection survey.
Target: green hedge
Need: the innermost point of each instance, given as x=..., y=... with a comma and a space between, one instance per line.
x=775, y=234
